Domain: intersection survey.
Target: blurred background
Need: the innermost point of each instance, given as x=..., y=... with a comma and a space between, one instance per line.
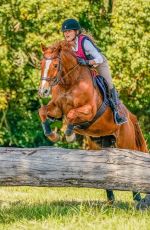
x=120, y=28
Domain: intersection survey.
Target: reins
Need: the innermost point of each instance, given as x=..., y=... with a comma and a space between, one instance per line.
x=58, y=77
x=71, y=70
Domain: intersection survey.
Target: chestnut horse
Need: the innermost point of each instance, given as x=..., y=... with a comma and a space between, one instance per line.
x=78, y=100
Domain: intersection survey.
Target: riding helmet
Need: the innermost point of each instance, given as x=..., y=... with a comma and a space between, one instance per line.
x=70, y=24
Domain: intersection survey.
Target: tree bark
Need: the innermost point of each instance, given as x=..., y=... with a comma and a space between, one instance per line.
x=115, y=169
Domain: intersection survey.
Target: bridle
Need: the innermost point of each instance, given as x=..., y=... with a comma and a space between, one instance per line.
x=58, y=78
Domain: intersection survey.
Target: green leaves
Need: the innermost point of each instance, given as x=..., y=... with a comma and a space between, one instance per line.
x=122, y=34
x=128, y=53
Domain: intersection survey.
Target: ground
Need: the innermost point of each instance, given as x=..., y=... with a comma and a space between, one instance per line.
x=68, y=209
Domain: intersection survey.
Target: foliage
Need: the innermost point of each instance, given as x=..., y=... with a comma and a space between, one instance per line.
x=24, y=25
x=128, y=53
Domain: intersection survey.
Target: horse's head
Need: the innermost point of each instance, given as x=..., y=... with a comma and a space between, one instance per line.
x=55, y=59
x=50, y=69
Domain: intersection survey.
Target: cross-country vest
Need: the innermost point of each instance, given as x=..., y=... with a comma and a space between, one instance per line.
x=81, y=52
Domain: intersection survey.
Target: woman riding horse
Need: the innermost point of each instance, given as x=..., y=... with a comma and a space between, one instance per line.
x=78, y=100
x=88, y=54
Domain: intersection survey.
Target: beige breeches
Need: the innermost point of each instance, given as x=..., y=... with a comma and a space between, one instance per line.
x=104, y=71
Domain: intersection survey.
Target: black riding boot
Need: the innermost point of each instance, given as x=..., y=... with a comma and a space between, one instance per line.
x=114, y=105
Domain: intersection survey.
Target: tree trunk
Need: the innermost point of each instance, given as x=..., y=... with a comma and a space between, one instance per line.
x=114, y=169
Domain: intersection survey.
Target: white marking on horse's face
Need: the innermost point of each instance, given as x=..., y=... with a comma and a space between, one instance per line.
x=47, y=65
x=44, y=89
x=43, y=84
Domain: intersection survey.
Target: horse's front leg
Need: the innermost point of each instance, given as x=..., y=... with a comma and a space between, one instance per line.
x=77, y=116
x=49, y=110
x=81, y=114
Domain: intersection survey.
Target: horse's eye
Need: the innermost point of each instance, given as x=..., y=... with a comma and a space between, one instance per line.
x=55, y=65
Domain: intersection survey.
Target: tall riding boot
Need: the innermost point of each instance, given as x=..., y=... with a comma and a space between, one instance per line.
x=113, y=97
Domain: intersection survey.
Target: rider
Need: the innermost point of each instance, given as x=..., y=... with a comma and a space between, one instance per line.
x=88, y=54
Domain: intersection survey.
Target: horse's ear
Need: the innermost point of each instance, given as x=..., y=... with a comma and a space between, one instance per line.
x=57, y=47
x=43, y=47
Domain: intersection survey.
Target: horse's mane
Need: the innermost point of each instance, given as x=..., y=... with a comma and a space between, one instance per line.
x=63, y=46
x=66, y=47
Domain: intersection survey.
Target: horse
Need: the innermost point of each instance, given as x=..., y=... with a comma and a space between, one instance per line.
x=77, y=99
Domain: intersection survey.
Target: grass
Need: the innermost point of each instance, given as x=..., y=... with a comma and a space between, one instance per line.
x=33, y=208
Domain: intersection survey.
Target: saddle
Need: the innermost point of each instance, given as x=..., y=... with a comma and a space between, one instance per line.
x=100, y=82
x=103, y=87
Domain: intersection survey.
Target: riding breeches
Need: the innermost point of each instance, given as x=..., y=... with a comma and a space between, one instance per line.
x=104, y=71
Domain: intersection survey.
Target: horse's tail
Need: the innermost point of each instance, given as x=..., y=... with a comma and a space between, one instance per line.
x=139, y=138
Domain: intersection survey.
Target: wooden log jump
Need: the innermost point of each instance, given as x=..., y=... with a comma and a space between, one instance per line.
x=115, y=169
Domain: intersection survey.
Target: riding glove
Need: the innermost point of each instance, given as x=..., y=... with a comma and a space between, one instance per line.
x=81, y=61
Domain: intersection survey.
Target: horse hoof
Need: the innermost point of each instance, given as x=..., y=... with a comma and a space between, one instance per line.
x=54, y=137
x=71, y=138
x=144, y=203
x=110, y=202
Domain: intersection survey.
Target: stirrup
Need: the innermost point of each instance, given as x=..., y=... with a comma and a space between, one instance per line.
x=119, y=120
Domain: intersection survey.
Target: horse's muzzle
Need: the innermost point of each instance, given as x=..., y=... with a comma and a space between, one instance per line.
x=44, y=92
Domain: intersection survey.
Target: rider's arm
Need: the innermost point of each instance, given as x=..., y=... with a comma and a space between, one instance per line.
x=90, y=49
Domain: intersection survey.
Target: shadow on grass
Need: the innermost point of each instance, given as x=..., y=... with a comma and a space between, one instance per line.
x=10, y=212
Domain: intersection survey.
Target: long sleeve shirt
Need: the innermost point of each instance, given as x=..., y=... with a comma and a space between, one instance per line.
x=90, y=49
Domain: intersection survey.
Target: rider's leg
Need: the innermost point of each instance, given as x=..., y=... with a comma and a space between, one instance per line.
x=104, y=71
x=113, y=97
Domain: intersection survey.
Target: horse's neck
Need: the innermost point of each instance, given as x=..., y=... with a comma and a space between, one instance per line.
x=73, y=74
x=71, y=71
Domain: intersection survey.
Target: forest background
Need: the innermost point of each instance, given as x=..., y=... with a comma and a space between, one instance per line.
x=121, y=30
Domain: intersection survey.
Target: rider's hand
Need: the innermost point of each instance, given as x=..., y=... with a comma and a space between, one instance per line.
x=81, y=61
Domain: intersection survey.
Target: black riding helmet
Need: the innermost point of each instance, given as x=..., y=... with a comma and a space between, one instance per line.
x=70, y=24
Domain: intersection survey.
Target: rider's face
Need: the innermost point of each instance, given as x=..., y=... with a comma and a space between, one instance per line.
x=70, y=35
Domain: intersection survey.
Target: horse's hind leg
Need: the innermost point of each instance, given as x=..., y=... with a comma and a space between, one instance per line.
x=109, y=141
x=105, y=142
x=136, y=196
x=144, y=203
x=126, y=143
x=110, y=196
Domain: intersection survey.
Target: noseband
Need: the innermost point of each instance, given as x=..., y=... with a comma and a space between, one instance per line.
x=58, y=78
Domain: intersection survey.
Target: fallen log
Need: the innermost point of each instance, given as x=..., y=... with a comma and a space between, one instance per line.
x=116, y=169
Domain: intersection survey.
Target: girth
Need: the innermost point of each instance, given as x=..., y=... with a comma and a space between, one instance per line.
x=99, y=113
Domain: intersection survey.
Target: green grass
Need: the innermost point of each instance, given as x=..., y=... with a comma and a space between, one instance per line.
x=28, y=208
